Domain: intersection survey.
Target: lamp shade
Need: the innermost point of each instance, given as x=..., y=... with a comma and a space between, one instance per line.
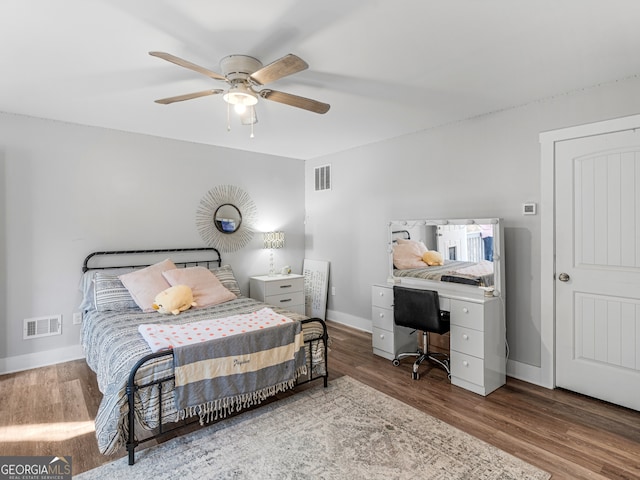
x=240, y=94
x=273, y=239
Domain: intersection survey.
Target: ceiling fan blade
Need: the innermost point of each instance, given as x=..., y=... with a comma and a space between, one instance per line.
x=287, y=65
x=188, y=96
x=295, y=101
x=184, y=63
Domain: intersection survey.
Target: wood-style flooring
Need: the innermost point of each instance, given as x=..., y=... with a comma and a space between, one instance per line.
x=50, y=411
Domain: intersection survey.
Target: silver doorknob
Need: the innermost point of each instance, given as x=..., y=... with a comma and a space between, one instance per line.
x=564, y=277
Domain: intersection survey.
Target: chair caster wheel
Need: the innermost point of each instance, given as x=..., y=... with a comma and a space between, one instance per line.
x=395, y=362
x=415, y=375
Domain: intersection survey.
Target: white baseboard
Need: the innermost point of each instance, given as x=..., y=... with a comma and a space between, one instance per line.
x=40, y=359
x=352, y=321
x=526, y=373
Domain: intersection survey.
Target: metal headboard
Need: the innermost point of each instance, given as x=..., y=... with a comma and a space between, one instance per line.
x=182, y=257
x=405, y=233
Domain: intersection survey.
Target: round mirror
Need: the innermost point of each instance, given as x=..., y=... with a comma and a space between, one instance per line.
x=227, y=218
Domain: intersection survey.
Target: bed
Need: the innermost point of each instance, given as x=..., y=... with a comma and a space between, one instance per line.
x=139, y=386
x=469, y=273
x=407, y=263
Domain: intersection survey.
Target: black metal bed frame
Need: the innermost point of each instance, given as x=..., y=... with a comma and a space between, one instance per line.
x=206, y=256
x=404, y=232
x=133, y=386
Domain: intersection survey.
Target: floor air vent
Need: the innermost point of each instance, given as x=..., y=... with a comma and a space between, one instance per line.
x=42, y=327
x=323, y=178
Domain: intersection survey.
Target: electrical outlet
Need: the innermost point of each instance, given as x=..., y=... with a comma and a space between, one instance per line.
x=333, y=290
x=77, y=318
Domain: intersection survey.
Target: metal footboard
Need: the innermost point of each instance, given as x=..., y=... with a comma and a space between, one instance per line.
x=133, y=387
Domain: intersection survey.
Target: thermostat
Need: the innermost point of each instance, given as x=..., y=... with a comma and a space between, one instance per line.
x=528, y=208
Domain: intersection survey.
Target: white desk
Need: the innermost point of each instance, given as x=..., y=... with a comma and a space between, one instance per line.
x=477, y=348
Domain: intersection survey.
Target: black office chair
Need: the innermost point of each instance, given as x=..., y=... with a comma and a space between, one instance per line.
x=420, y=309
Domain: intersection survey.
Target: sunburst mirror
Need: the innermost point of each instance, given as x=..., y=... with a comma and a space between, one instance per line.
x=225, y=218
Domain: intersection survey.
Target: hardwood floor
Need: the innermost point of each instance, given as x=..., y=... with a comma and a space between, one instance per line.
x=50, y=411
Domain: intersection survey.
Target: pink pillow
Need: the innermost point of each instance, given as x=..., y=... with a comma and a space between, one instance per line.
x=206, y=288
x=409, y=255
x=417, y=243
x=145, y=284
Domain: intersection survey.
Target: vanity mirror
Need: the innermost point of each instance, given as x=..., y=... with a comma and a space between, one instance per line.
x=469, y=258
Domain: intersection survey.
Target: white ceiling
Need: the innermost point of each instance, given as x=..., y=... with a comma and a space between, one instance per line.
x=387, y=67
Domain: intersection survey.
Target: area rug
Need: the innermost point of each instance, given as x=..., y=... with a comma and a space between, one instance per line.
x=346, y=431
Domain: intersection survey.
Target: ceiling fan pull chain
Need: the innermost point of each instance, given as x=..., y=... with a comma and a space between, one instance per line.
x=228, y=118
x=253, y=116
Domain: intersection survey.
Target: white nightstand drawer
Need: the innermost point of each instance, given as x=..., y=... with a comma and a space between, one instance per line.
x=467, y=367
x=284, y=285
x=382, y=318
x=286, y=299
x=467, y=314
x=382, y=296
x=382, y=340
x=467, y=340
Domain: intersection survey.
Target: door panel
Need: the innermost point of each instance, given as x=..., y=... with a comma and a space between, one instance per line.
x=452, y=241
x=598, y=247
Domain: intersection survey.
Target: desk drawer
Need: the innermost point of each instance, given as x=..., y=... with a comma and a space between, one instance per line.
x=467, y=314
x=382, y=318
x=286, y=300
x=382, y=297
x=467, y=367
x=382, y=340
x=467, y=340
x=277, y=287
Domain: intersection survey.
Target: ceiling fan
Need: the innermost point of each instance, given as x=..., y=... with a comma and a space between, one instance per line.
x=245, y=74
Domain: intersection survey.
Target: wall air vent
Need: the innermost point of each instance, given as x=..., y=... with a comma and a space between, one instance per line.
x=42, y=327
x=323, y=178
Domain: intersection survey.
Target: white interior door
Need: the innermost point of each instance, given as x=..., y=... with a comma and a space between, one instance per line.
x=598, y=266
x=452, y=241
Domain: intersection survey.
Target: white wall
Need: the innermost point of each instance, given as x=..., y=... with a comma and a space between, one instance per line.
x=483, y=167
x=68, y=190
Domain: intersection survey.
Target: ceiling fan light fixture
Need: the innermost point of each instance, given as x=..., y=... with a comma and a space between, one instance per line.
x=249, y=116
x=242, y=73
x=240, y=96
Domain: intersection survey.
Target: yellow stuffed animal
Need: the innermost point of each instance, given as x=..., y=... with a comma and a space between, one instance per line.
x=174, y=300
x=432, y=258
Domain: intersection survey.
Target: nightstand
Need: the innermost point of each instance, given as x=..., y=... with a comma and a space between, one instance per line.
x=286, y=291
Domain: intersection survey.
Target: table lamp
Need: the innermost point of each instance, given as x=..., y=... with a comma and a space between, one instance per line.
x=273, y=240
